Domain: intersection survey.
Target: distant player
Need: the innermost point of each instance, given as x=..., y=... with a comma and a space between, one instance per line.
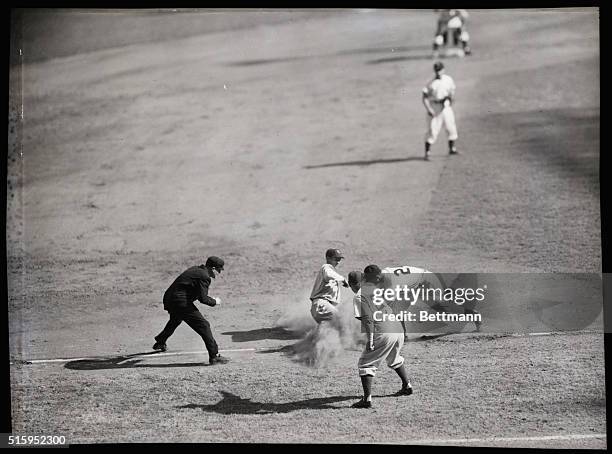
x=438, y=96
x=452, y=25
x=384, y=339
x=457, y=29
x=326, y=289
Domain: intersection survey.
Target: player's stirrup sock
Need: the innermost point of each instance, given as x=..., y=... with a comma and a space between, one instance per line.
x=366, y=383
x=401, y=371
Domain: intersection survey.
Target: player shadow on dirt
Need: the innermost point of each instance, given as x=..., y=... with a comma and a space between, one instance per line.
x=122, y=362
x=364, y=163
x=276, y=333
x=232, y=404
x=400, y=58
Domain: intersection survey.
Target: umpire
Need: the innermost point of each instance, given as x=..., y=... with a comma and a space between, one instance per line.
x=192, y=284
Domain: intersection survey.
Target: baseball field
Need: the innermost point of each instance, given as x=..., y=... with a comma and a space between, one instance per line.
x=143, y=142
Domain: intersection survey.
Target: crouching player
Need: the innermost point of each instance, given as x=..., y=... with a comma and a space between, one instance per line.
x=384, y=338
x=412, y=277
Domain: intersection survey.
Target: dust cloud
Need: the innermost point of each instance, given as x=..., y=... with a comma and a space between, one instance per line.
x=320, y=343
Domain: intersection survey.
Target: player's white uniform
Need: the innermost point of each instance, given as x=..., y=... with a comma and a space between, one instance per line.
x=453, y=22
x=388, y=340
x=400, y=276
x=456, y=18
x=325, y=293
x=438, y=92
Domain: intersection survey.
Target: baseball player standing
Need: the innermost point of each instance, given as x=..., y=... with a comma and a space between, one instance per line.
x=326, y=290
x=192, y=284
x=452, y=22
x=438, y=96
x=457, y=29
x=385, y=339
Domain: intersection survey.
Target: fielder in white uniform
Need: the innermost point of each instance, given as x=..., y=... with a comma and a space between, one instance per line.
x=452, y=22
x=384, y=341
x=438, y=96
x=326, y=289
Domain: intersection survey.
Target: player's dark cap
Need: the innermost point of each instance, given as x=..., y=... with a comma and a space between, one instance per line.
x=438, y=66
x=354, y=277
x=334, y=254
x=372, y=270
x=215, y=262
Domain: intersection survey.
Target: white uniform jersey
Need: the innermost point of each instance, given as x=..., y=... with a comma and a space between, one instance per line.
x=457, y=18
x=438, y=90
x=326, y=284
x=410, y=276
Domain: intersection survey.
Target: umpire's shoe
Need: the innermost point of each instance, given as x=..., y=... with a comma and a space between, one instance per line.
x=218, y=359
x=362, y=404
x=160, y=346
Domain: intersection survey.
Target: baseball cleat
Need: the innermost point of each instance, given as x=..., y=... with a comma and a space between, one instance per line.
x=362, y=404
x=218, y=360
x=453, y=151
x=159, y=346
x=404, y=391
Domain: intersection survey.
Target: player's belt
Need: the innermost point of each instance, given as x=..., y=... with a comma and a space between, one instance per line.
x=440, y=101
x=334, y=303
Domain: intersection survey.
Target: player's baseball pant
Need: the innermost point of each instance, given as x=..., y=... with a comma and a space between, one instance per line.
x=322, y=310
x=387, y=346
x=444, y=117
x=197, y=322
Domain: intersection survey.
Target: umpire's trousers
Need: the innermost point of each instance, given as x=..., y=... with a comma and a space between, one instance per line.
x=197, y=322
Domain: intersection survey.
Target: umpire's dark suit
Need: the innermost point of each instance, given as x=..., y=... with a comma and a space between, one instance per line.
x=192, y=284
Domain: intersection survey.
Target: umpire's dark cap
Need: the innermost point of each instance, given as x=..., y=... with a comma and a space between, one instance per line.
x=334, y=253
x=215, y=262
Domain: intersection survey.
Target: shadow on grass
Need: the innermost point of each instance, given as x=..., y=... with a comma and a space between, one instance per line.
x=121, y=362
x=404, y=58
x=365, y=163
x=261, y=334
x=426, y=337
x=373, y=50
x=264, y=61
x=232, y=404
x=387, y=49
